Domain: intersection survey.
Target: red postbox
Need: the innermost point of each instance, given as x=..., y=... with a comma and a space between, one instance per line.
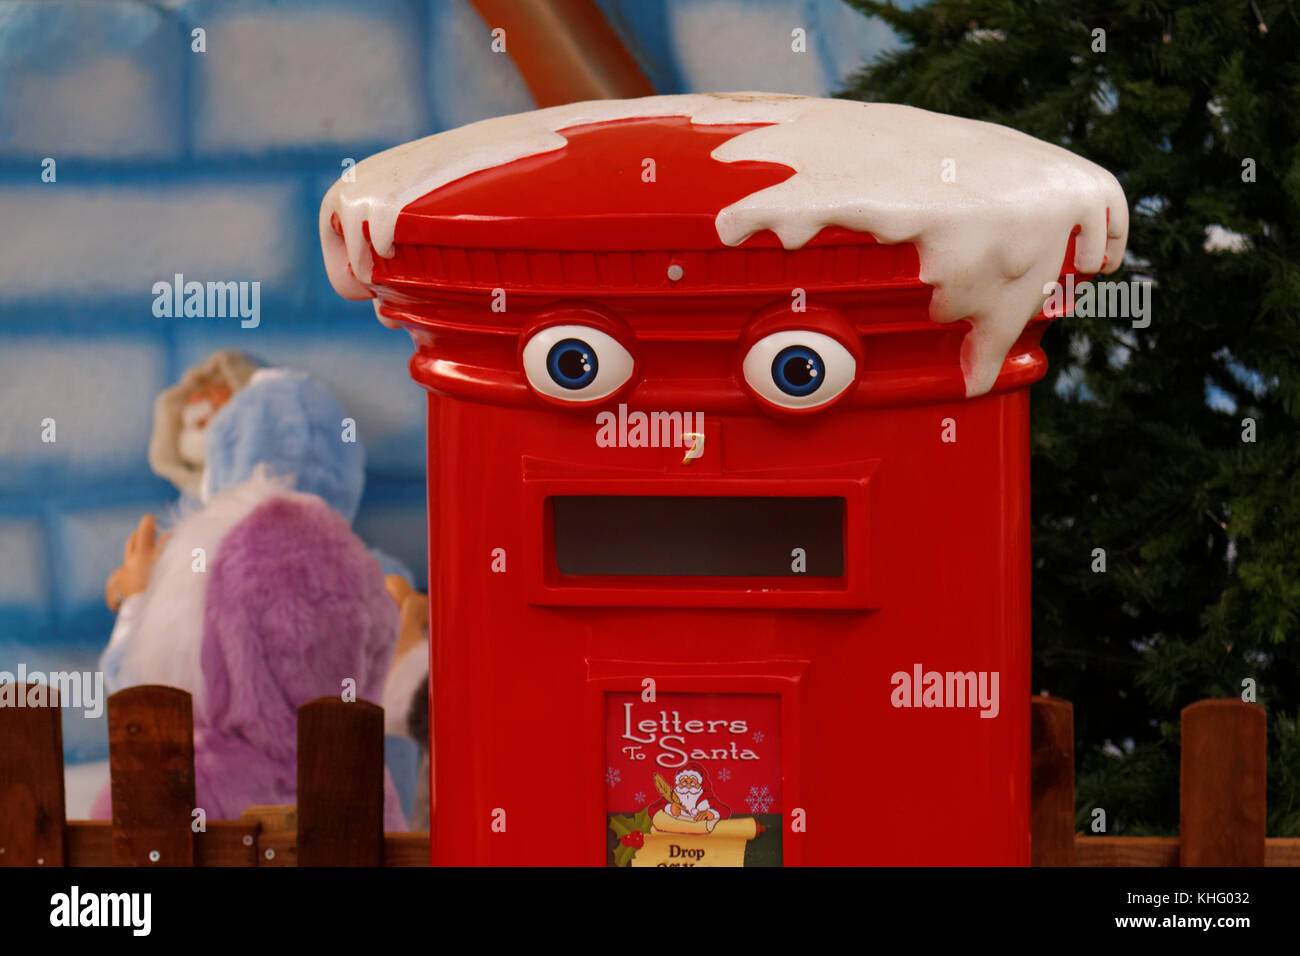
x=728, y=470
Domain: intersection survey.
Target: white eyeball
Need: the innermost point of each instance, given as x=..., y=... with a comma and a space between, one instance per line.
x=798, y=369
x=576, y=363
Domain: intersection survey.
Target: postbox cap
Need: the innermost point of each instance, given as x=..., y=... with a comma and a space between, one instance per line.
x=990, y=211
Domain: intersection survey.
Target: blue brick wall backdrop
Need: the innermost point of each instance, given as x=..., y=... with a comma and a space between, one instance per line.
x=212, y=164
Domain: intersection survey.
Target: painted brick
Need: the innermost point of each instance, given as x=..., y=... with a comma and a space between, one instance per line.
x=730, y=45
x=23, y=576
x=307, y=74
x=88, y=547
x=117, y=241
x=467, y=81
x=89, y=79
x=99, y=393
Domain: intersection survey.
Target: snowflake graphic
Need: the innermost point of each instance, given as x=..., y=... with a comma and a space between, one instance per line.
x=759, y=799
x=612, y=777
x=638, y=798
x=724, y=774
x=758, y=736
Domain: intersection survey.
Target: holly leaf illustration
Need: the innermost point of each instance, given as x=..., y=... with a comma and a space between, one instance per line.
x=621, y=825
x=623, y=855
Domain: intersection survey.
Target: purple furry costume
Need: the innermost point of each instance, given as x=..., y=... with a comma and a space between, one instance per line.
x=293, y=605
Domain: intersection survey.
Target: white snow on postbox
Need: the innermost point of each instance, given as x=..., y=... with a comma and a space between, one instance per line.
x=989, y=209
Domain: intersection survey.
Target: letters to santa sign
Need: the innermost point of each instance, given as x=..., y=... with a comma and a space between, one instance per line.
x=693, y=780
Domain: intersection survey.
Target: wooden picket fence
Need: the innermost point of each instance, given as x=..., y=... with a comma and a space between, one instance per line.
x=1221, y=794
x=338, y=820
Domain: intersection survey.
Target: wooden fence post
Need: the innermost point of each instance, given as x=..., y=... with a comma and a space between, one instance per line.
x=1052, y=782
x=340, y=783
x=151, y=759
x=31, y=776
x=1222, y=783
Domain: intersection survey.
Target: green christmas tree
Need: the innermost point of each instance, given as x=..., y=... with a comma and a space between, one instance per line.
x=1175, y=447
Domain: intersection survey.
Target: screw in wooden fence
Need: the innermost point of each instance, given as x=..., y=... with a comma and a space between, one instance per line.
x=151, y=761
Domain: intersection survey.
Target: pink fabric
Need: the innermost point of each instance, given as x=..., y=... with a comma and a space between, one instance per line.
x=295, y=606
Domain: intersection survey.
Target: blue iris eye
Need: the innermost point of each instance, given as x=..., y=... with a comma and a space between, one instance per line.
x=571, y=363
x=798, y=370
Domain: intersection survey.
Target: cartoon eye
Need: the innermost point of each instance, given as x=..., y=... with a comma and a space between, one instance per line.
x=798, y=369
x=576, y=363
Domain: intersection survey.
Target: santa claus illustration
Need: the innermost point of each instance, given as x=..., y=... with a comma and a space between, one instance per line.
x=689, y=804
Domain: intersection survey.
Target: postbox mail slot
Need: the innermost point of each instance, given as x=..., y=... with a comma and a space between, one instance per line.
x=691, y=536
x=713, y=541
